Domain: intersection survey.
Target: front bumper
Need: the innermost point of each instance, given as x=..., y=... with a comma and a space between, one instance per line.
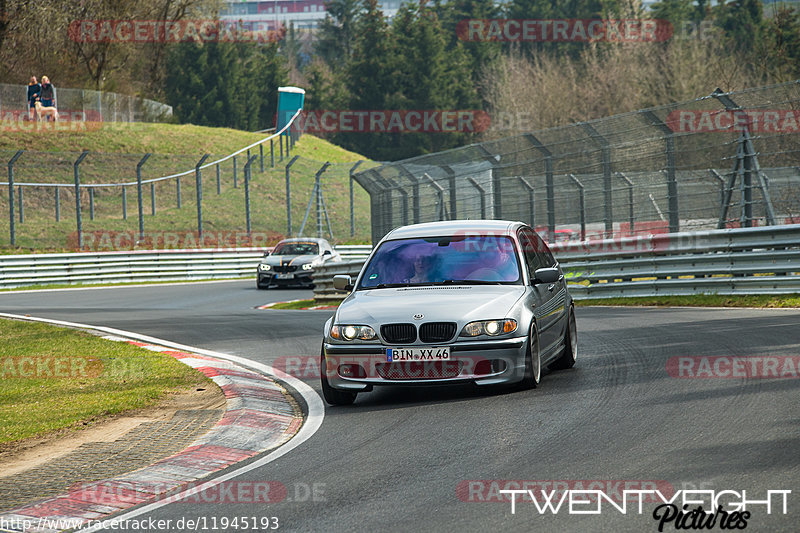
x=302, y=279
x=484, y=362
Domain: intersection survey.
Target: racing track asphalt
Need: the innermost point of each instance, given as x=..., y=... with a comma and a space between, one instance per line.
x=394, y=460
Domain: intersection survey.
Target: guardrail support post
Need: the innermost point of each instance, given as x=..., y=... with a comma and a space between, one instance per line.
x=247, y=191
x=198, y=179
x=289, y=197
x=139, y=194
x=178, y=190
x=77, y=176
x=581, y=203
x=91, y=203
x=352, y=212
x=58, y=203
x=11, y=195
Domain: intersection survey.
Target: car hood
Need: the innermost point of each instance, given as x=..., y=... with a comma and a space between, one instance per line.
x=273, y=260
x=436, y=303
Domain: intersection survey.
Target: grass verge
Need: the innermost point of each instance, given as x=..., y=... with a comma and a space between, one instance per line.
x=56, y=379
x=768, y=301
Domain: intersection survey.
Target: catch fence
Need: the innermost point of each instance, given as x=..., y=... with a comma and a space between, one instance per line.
x=721, y=161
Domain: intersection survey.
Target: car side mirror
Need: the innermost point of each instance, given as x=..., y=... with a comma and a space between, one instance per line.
x=342, y=282
x=326, y=252
x=546, y=275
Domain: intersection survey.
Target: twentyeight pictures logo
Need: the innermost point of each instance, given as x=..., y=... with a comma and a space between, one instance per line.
x=565, y=30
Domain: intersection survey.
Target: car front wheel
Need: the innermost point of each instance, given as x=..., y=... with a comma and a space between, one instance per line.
x=331, y=395
x=533, y=364
x=570, y=352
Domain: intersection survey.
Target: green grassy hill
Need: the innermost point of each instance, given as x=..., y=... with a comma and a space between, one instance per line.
x=115, y=151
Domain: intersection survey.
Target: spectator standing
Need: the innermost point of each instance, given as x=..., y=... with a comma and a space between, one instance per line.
x=48, y=94
x=34, y=89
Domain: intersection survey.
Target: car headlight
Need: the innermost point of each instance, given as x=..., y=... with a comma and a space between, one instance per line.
x=351, y=332
x=307, y=266
x=489, y=327
x=263, y=268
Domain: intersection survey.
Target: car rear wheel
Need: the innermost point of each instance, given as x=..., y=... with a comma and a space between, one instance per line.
x=331, y=395
x=570, y=352
x=533, y=363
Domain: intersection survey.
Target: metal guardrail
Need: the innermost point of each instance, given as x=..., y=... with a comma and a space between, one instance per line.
x=138, y=266
x=727, y=262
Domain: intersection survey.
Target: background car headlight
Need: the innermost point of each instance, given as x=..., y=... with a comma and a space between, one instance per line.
x=264, y=268
x=489, y=327
x=351, y=332
x=307, y=266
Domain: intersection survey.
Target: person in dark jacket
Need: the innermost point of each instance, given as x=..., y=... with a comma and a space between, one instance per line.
x=34, y=88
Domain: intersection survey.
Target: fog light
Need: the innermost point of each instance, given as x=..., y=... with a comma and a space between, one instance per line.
x=352, y=371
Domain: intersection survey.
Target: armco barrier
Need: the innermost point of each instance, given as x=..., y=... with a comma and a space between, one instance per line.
x=727, y=262
x=137, y=266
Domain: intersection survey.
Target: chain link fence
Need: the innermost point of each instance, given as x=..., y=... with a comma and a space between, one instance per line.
x=723, y=160
x=84, y=105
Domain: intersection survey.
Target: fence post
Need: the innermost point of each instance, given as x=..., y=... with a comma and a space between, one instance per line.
x=608, y=199
x=531, y=200
x=199, y=186
x=672, y=182
x=219, y=188
x=235, y=174
x=382, y=215
x=76, y=174
x=549, y=185
x=280, y=144
x=482, y=192
x=581, y=203
x=630, y=199
x=139, y=194
x=21, y=206
x=124, y=203
x=261, y=155
x=289, y=197
x=11, y=195
x=271, y=154
x=439, y=195
x=451, y=180
x=721, y=181
x=178, y=190
x=414, y=191
x=352, y=213
x=91, y=203
x=58, y=204
x=153, y=198
x=247, y=190
x=403, y=198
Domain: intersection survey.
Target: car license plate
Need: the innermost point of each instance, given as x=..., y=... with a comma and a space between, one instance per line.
x=435, y=353
x=284, y=276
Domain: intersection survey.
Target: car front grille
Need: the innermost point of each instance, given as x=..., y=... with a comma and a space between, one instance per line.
x=419, y=369
x=437, y=331
x=281, y=269
x=399, y=333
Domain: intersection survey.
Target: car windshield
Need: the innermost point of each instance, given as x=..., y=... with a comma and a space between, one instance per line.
x=296, y=248
x=469, y=260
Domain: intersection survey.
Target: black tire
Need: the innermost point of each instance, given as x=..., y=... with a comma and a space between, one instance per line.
x=533, y=370
x=570, y=352
x=331, y=395
x=261, y=286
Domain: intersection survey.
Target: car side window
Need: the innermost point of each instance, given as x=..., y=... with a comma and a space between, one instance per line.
x=529, y=251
